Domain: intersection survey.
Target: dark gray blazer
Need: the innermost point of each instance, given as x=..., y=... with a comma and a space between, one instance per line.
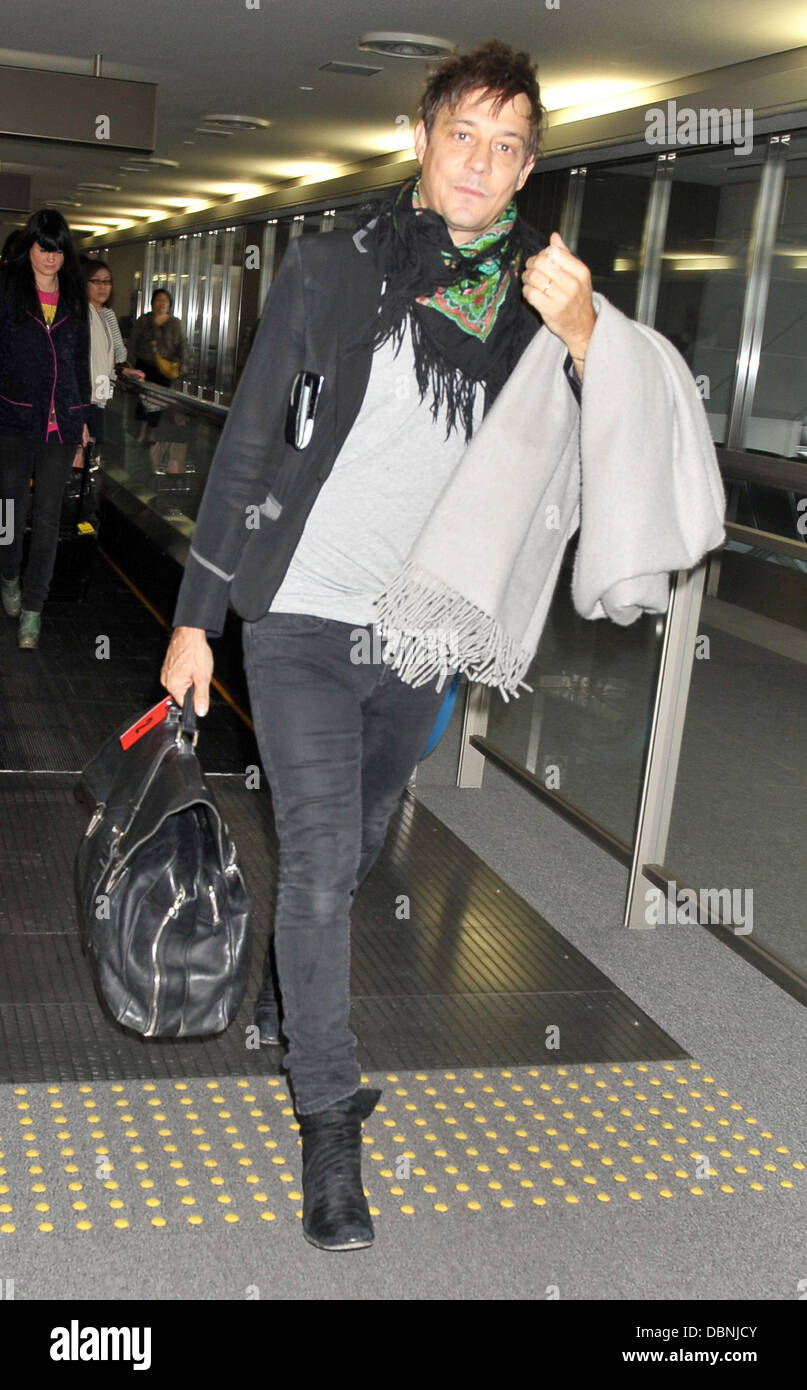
x=318, y=311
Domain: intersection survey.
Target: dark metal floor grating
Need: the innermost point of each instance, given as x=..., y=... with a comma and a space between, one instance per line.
x=450, y=966
x=470, y=978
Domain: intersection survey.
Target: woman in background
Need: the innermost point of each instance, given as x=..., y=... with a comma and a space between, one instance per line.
x=107, y=349
x=44, y=399
x=155, y=334
x=11, y=246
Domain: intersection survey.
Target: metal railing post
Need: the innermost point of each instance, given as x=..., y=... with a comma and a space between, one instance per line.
x=471, y=763
x=666, y=735
x=655, y=230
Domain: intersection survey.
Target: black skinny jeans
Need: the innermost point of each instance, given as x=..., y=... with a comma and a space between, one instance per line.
x=49, y=464
x=338, y=740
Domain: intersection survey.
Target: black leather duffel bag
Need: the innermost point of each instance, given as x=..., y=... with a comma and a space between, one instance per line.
x=166, y=914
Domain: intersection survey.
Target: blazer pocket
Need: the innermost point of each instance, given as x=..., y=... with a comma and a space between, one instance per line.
x=15, y=415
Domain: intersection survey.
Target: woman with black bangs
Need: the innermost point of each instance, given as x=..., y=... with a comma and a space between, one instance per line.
x=44, y=398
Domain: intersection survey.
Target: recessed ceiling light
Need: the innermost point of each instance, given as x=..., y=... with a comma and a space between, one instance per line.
x=63, y=203
x=395, y=45
x=99, y=187
x=233, y=123
x=147, y=163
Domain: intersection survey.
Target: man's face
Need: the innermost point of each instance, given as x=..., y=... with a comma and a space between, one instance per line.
x=473, y=162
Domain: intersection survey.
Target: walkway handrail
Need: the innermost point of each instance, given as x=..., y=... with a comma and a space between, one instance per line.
x=179, y=400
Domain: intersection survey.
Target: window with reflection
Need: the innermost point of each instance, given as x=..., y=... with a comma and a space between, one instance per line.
x=778, y=419
x=612, y=226
x=704, y=268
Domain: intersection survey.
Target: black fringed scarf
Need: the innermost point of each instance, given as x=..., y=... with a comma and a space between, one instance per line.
x=464, y=306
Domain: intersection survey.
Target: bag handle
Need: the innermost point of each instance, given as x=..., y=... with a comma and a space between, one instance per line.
x=187, y=722
x=186, y=725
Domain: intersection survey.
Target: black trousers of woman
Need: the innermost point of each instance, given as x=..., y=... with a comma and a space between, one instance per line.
x=21, y=459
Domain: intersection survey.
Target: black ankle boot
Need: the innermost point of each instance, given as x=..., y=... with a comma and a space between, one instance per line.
x=267, y=1006
x=335, y=1211
x=267, y=1018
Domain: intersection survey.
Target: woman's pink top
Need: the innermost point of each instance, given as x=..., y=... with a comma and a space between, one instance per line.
x=49, y=299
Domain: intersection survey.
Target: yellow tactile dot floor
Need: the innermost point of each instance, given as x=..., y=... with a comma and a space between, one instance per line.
x=183, y=1154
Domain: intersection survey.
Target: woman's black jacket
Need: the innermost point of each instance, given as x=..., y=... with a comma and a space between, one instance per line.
x=41, y=369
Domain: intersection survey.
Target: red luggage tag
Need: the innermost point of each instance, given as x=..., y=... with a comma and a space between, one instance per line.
x=154, y=716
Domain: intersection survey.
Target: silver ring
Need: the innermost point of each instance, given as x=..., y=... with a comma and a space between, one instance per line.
x=546, y=286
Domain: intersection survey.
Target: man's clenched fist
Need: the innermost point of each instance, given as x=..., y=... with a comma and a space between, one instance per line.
x=188, y=661
x=558, y=285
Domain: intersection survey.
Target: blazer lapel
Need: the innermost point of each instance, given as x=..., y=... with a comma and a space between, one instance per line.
x=357, y=306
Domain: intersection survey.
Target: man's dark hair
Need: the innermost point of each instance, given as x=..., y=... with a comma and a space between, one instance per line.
x=495, y=68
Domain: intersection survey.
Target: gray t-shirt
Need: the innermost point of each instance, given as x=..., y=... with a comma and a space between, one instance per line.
x=384, y=483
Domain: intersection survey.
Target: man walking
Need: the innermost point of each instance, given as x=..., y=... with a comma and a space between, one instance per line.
x=414, y=324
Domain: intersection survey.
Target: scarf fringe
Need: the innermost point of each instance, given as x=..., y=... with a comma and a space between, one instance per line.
x=451, y=389
x=430, y=630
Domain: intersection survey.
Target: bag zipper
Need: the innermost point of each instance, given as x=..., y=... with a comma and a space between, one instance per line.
x=97, y=815
x=172, y=912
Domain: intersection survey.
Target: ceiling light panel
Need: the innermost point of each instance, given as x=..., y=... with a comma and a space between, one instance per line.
x=350, y=69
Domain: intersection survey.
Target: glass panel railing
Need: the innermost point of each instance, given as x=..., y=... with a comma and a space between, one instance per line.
x=583, y=731
x=162, y=461
x=739, y=821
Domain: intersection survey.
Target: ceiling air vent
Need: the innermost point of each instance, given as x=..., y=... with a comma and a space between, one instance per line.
x=230, y=125
x=351, y=69
x=394, y=45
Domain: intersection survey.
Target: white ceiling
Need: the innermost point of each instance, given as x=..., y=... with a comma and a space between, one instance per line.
x=253, y=57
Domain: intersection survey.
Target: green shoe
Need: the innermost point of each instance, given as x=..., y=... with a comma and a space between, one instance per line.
x=28, y=632
x=11, y=596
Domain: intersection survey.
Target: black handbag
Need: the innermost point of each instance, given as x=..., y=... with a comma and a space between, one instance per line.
x=79, y=500
x=165, y=909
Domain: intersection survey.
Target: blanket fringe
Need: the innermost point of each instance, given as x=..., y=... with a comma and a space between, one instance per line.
x=430, y=630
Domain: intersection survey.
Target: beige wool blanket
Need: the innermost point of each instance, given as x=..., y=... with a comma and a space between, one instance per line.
x=634, y=468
